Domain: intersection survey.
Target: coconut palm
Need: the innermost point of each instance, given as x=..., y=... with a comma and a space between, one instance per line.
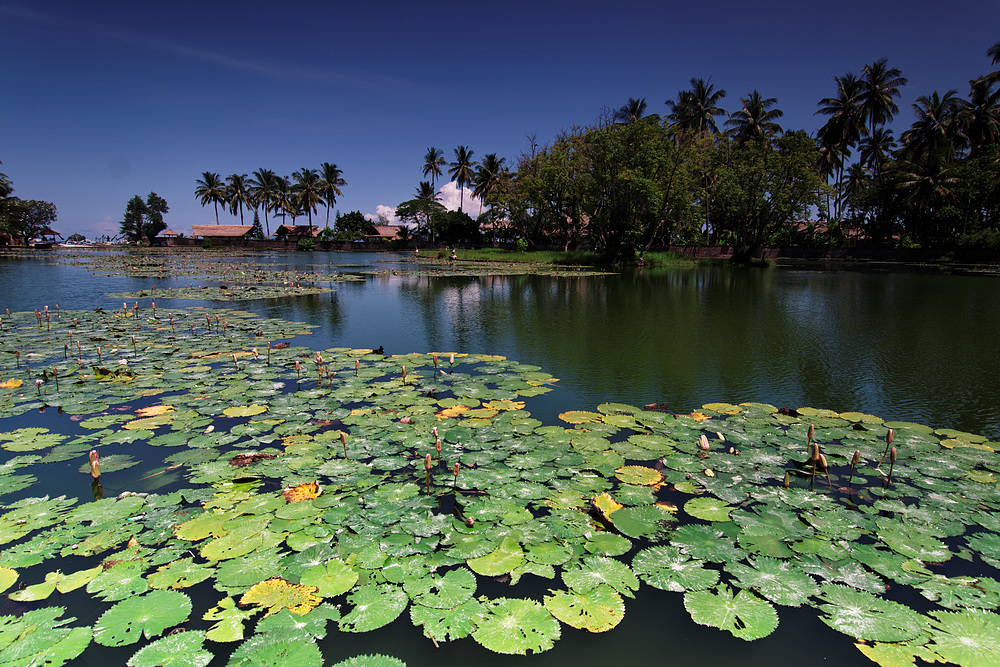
x=695, y=110
x=238, y=194
x=306, y=190
x=462, y=170
x=936, y=133
x=842, y=130
x=210, y=188
x=263, y=189
x=877, y=149
x=488, y=177
x=282, y=202
x=330, y=182
x=433, y=161
x=630, y=112
x=981, y=116
x=880, y=86
x=994, y=53
x=755, y=121
x=425, y=191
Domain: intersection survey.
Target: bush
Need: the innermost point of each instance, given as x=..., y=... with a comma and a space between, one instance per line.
x=206, y=244
x=307, y=245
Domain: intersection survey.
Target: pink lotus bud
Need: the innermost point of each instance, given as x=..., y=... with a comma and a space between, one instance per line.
x=437, y=446
x=427, y=462
x=704, y=442
x=892, y=455
x=812, y=432
x=856, y=458
x=435, y=431
x=888, y=436
x=455, y=470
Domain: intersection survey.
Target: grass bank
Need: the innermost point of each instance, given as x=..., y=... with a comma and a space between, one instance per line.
x=575, y=258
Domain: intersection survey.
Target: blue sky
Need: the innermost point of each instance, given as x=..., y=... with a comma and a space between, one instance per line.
x=103, y=100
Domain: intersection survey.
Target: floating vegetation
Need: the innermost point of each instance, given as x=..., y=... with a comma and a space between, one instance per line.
x=444, y=268
x=300, y=493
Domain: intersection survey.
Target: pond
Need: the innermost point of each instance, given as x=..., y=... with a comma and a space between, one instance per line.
x=909, y=347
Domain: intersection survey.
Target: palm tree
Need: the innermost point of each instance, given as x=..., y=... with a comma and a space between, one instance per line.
x=631, y=111
x=981, y=115
x=307, y=192
x=462, y=171
x=937, y=132
x=842, y=130
x=425, y=192
x=877, y=149
x=237, y=194
x=879, y=89
x=282, y=203
x=210, y=188
x=755, y=120
x=994, y=53
x=263, y=190
x=696, y=109
x=489, y=174
x=330, y=182
x=433, y=161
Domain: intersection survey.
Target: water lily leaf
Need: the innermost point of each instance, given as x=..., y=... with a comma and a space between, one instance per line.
x=122, y=580
x=666, y=568
x=777, y=580
x=516, y=627
x=7, y=578
x=865, y=616
x=244, y=410
x=708, y=509
x=229, y=621
x=639, y=475
x=911, y=541
x=889, y=654
x=331, y=578
x=501, y=560
x=371, y=660
x=276, y=594
x=293, y=626
x=39, y=591
x=181, y=573
x=141, y=616
x=744, y=615
x=296, y=494
x=648, y=521
x=596, y=610
x=596, y=570
x=580, y=417
x=36, y=639
x=447, y=624
x=262, y=650
x=970, y=637
x=605, y=504
x=183, y=649
x=375, y=605
x=442, y=591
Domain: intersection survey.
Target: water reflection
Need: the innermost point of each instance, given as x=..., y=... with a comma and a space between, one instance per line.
x=899, y=345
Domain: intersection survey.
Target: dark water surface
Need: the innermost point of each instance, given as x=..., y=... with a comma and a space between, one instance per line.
x=903, y=346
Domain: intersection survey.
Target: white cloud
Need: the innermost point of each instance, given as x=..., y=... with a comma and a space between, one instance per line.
x=382, y=210
x=450, y=197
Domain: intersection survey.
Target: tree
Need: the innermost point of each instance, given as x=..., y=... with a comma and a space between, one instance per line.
x=307, y=192
x=420, y=212
x=841, y=132
x=755, y=121
x=426, y=192
x=880, y=86
x=488, y=177
x=256, y=231
x=981, y=116
x=330, y=182
x=25, y=219
x=238, y=194
x=282, y=202
x=936, y=134
x=263, y=190
x=433, y=161
x=453, y=227
x=143, y=219
x=211, y=189
x=695, y=110
x=631, y=111
x=350, y=226
x=462, y=171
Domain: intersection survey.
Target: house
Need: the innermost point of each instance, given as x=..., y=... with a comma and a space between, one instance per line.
x=220, y=231
x=297, y=232
x=385, y=233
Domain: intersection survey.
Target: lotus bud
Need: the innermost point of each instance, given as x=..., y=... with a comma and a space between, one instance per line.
x=451, y=359
x=470, y=521
x=319, y=358
x=357, y=366
x=38, y=386
x=437, y=446
x=235, y=362
x=856, y=459
x=787, y=481
x=427, y=462
x=892, y=455
x=98, y=353
x=822, y=462
x=298, y=370
x=455, y=470
x=812, y=432
x=343, y=441
x=434, y=430
x=704, y=442
x=133, y=346
x=95, y=464
x=255, y=354
x=815, y=452
x=720, y=436
x=404, y=373
x=888, y=436
x=435, y=361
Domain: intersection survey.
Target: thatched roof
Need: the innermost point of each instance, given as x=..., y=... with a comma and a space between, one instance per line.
x=297, y=231
x=168, y=232
x=219, y=231
x=390, y=232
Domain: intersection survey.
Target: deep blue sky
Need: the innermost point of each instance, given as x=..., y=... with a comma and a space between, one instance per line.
x=103, y=100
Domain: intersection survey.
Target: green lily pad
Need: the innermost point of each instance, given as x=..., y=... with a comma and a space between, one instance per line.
x=184, y=649
x=597, y=610
x=744, y=615
x=141, y=616
x=514, y=626
x=864, y=616
x=375, y=605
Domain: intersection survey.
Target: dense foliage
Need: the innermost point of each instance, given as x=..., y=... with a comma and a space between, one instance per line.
x=144, y=219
